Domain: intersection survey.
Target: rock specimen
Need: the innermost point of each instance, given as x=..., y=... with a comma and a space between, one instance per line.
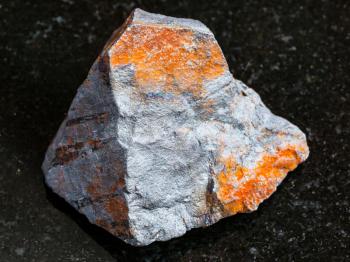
x=160, y=138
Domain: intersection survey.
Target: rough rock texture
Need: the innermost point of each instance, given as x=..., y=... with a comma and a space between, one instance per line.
x=160, y=137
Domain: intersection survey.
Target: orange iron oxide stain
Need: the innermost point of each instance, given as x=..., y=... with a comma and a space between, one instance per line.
x=113, y=204
x=169, y=59
x=242, y=189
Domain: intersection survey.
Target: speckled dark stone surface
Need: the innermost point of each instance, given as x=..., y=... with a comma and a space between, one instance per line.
x=295, y=54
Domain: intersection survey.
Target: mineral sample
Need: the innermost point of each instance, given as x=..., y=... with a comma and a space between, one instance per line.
x=160, y=138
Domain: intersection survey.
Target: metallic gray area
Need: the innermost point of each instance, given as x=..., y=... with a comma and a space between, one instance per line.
x=159, y=150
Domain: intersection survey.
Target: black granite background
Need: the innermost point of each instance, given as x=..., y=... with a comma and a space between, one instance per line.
x=295, y=54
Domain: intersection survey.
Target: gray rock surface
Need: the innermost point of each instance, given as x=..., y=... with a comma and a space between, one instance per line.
x=160, y=138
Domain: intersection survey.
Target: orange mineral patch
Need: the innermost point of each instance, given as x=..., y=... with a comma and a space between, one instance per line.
x=242, y=189
x=171, y=60
x=114, y=204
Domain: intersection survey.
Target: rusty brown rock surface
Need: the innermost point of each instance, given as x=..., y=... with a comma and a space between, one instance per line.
x=160, y=137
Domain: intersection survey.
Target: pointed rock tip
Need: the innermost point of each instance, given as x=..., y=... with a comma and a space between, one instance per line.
x=139, y=16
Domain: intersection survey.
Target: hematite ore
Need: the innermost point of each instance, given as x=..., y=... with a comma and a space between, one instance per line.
x=160, y=137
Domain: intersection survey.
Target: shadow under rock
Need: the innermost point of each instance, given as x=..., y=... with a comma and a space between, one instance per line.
x=199, y=238
x=238, y=230
x=125, y=252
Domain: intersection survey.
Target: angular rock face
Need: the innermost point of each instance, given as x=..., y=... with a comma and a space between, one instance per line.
x=160, y=137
